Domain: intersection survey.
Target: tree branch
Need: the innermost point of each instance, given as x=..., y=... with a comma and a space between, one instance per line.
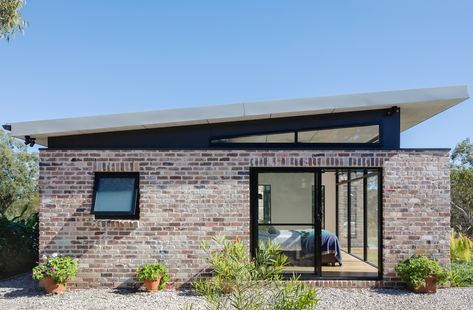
x=468, y=218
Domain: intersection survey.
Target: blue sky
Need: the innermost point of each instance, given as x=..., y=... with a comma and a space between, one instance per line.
x=97, y=57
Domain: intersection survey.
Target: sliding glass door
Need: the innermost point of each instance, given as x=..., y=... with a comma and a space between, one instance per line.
x=326, y=221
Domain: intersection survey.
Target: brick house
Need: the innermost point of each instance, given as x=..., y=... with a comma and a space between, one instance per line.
x=325, y=178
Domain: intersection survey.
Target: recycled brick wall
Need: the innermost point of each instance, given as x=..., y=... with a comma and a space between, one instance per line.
x=187, y=196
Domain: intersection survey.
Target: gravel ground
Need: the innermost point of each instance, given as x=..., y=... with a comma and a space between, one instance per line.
x=22, y=293
x=387, y=299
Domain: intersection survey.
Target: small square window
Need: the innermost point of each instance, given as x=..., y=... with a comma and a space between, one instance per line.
x=116, y=195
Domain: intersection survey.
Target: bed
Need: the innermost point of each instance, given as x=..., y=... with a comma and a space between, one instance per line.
x=300, y=243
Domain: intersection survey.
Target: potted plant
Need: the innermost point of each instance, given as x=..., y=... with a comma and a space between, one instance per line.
x=421, y=274
x=54, y=272
x=155, y=276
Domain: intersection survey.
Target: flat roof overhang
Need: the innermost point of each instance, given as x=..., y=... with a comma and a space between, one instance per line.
x=417, y=105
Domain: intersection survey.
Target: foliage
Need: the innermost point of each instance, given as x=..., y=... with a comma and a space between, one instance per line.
x=462, y=155
x=60, y=268
x=239, y=282
x=18, y=179
x=415, y=269
x=268, y=263
x=18, y=245
x=153, y=272
x=461, y=274
x=11, y=21
x=19, y=201
x=232, y=266
x=230, y=261
x=295, y=295
x=460, y=248
x=461, y=178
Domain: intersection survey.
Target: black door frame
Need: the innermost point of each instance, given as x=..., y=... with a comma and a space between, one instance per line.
x=317, y=171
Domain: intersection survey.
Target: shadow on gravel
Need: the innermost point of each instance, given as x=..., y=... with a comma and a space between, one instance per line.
x=187, y=292
x=125, y=291
x=391, y=291
x=19, y=286
x=19, y=281
x=23, y=292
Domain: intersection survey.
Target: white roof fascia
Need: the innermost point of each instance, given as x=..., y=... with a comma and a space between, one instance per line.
x=416, y=106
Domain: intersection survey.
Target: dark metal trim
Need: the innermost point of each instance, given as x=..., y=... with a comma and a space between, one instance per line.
x=380, y=222
x=318, y=223
x=349, y=212
x=136, y=197
x=253, y=211
x=337, y=228
x=365, y=216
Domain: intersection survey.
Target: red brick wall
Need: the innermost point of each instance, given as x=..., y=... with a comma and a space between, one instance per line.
x=189, y=196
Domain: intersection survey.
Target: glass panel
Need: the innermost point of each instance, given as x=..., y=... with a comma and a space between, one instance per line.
x=290, y=198
x=351, y=191
x=342, y=176
x=114, y=195
x=296, y=242
x=286, y=200
x=286, y=137
x=356, y=223
x=362, y=134
x=372, y=210
x=356, y=174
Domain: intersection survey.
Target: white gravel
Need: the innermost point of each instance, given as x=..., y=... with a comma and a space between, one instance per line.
x=22, y=293
x=387, y=299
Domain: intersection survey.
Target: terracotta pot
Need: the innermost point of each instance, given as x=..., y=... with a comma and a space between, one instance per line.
x=52, y=287
x=429, y=287
x=44, y=282
x=152, y=285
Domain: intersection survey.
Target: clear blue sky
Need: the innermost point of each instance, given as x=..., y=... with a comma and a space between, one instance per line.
x=97, y=57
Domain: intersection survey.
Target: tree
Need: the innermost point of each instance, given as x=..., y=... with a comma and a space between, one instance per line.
x=11, y=21
x=19, y=201
x=461, y=177
x=18, y=178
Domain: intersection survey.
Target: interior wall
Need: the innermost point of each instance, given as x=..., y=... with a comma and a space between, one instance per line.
x=328, y=180
x=291, y=196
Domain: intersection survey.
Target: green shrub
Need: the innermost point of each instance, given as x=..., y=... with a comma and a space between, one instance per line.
x=295, y=295
x=231, y=265
x=18, y=245
x=268, y=263
x=153, y=272
x=240, y=282
x=460, y=248
x=461, y=274
x=60, y=268
x=415, y=269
